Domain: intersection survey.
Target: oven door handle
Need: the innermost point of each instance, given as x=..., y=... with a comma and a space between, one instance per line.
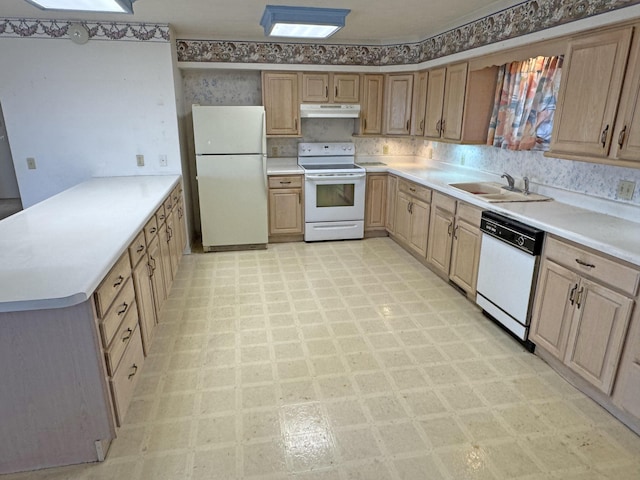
x=335, y=176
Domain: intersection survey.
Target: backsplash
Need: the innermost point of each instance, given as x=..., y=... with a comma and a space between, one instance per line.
x=581, y=177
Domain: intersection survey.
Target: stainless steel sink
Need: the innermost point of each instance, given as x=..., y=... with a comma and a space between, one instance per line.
x=493, y=192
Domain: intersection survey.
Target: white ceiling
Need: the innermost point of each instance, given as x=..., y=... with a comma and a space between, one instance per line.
x=370, y=21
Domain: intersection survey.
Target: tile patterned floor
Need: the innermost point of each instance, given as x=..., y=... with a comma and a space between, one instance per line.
x=346, y=360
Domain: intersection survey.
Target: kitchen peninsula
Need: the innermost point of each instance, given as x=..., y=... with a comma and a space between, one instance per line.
x=74, y=314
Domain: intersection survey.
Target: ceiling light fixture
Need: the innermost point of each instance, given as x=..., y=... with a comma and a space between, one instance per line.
x=302, y=22
x=102, y=6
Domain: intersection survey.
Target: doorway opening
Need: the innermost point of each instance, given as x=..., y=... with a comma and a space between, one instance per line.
x=10, y=201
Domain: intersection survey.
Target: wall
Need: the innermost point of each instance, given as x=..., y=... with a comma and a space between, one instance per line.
x=87, y=110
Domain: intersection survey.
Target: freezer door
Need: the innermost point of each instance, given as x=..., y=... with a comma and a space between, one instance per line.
x=229, y=130
x=233, y=199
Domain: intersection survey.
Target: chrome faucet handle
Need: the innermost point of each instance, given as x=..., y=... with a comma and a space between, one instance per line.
x=526, y=185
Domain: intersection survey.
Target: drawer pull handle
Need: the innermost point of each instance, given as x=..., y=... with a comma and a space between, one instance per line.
x=285, y=183
x=128, y=336
x=123, y=308
x=134, y=367
x=119, y=281
x=572, y=295
x=585, y=264
x=411, y=189
x=153, y=230
x=140, y=248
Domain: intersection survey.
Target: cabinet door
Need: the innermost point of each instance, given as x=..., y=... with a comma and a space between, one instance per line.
x=419, y=229
x=281, y=103
x=145, y=302
x=157, y=275
x=553, y=308
x=597, y=333
x=315, y=87
x=172, y=241
x=402, y=217
x=593, y=70
x=440, y=238
x=346, y=88
x=285, y=211
x=435, y=99
x=397, y=105
x=165, y=258
x=392, y=189
x=626, y=139
x=453, y=105
x=371, y=107
x=375, y=204
x=465, y=256
x=419, y=103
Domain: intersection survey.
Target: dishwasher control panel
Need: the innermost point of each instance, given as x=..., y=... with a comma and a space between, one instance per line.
x=513, y=232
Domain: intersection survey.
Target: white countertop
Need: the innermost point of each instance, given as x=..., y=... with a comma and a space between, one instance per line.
x=610, y=234
x=284, y=166
x=55, y=253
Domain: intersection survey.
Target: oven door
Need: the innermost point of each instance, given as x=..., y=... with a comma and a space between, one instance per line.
x=331, y=197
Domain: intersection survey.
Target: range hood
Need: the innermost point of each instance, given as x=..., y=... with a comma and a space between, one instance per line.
x=327, y=110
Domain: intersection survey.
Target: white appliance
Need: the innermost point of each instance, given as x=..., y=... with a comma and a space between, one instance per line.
x=230, y=145
x=507, y=272
x=334, y=191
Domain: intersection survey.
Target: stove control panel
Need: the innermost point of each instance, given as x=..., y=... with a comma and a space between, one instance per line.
x=326, y=149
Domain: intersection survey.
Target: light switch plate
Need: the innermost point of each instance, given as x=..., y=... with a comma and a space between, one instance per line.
x=140, y=160
x=31, y=163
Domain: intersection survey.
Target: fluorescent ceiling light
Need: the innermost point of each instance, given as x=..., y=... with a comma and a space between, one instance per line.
x=106, y=6
x=302, y=22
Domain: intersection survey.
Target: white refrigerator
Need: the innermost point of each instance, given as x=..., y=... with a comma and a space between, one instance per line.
x=230, y=145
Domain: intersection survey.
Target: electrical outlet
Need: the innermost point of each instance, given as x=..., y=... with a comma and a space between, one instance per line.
x=274, y=151
x=31, y=163
x=163, y=160
x=385, y=149
x=626, y=189
x=462, y=159
x=140, y=160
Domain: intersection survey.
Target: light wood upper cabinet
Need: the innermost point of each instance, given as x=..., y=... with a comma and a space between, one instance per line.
x=397, y=104
x=445, y=102
x=590, y=88
x=375, y=202
x=419, y=103
x=459, y=103
x=331, y=87
x=281, y=101
x=372, y=87
x=582, y=310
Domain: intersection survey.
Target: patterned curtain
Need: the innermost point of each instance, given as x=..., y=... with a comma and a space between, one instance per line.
x=524, y=104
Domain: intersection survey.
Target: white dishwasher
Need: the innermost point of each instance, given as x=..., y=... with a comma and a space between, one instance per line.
x=507, y=273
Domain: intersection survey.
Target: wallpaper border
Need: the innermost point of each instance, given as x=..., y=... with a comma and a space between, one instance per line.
x=133, y=32
x=527, y=17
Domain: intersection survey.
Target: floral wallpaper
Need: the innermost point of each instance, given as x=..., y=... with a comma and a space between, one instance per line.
x=527, y=17
x=140, y=32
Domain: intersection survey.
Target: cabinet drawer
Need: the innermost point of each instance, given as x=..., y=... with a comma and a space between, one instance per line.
x=415, y=190
x=121, y=339
x=289, y=181
x=444, y=202
x=469, y=213
x=151, y=229
x=175, y=195
x=588, y=263
x=113, y=318
x=126, y=376
x=168, y=204
x=161, y=216
x=112, y=284
x=137, y=249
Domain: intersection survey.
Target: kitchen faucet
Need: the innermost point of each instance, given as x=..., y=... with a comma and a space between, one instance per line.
x=511, y=187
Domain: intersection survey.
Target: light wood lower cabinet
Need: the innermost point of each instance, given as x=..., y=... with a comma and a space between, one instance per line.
x=454, y=241
x=392, y=192
x=412, y=216
x=375, y=204
x=582, y=311
x=286, y=208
